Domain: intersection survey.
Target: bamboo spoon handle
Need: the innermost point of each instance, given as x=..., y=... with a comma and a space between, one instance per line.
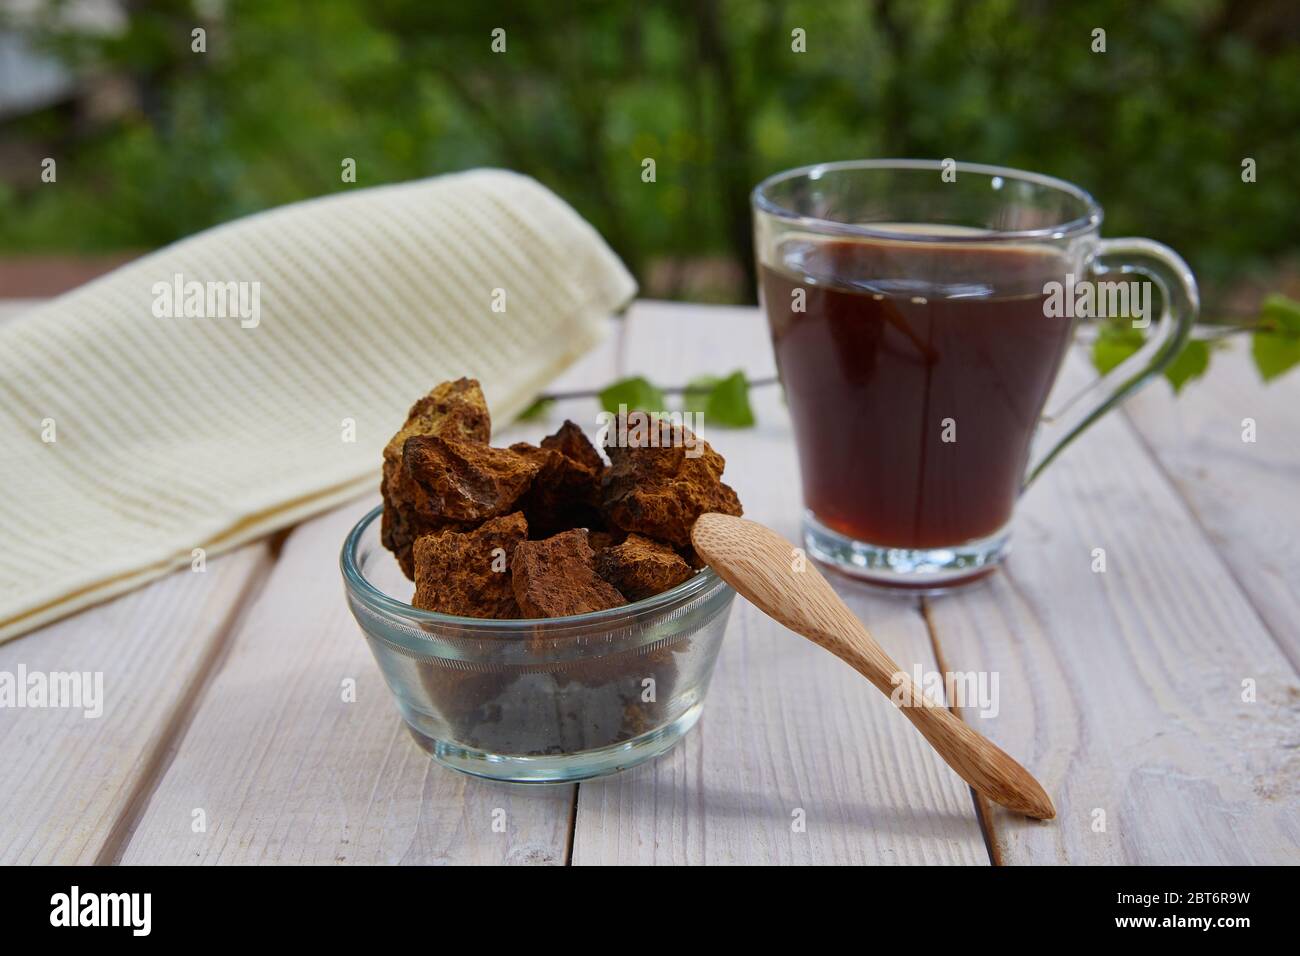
x=763, y=567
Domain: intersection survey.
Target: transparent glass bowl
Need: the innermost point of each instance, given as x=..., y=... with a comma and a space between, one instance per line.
x=538, y=701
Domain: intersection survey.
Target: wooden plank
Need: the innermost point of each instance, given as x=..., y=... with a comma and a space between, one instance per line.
x=70, y=781
x=287, y=772
x=787, y=727
x=1243, y=493
x=1123, y=689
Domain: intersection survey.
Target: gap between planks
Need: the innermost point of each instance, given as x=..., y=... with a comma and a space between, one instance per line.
x=168, y=742
x=980, y=803
x=573, y=825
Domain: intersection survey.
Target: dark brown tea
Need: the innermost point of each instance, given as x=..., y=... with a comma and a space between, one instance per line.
x=916, y=374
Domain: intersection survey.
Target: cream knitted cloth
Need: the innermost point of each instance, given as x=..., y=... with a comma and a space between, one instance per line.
x=133, y=431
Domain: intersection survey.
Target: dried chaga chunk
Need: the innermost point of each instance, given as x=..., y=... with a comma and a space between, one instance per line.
x=570, y=442
x=563, y=494
x=441, y=478
x=401, y=525
x=405, y=515
x=455, y=410
x=467, y=481
x=661, y=478
x=600, y=540
x=566, y=492
x=468, y=573
x=640, y=567
x=452, y=410
x=557, y=576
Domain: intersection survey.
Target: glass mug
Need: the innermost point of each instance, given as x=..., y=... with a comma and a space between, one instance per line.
x=919, y=320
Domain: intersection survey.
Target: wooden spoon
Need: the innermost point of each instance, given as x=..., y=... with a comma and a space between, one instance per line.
x=761, y=565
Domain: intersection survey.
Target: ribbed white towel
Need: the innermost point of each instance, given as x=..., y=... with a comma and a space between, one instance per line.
x=131, y=434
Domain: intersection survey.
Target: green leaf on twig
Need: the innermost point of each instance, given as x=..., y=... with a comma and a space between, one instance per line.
x=536, y=410
x=1115, y=342
x=696, y=394
x=1275, y=346
x=722, y=401
x=1118, y=340
x=1188, y=364
x=636, y=394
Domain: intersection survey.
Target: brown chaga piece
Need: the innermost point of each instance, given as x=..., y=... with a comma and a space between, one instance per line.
x=572, y=443
x=454, y=410
x=566, y=491
x=400, y=525
x=408, y=514
x=640, y=567
x=468, y=573
x=563, y=494
x=467, y=481
x=606, y=538
x=557, y=576
x=662, y=478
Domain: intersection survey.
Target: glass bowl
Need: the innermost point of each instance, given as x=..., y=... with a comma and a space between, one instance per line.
x=538, y=701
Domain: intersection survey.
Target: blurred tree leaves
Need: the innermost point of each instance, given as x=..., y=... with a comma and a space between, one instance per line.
x=1157, y=126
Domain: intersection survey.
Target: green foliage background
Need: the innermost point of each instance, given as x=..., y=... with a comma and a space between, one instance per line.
x=1156, y=127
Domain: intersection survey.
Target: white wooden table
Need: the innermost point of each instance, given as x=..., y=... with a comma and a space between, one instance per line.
x=1122, y=691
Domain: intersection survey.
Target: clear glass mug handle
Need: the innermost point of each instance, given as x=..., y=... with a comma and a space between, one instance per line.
x=1180, y=305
